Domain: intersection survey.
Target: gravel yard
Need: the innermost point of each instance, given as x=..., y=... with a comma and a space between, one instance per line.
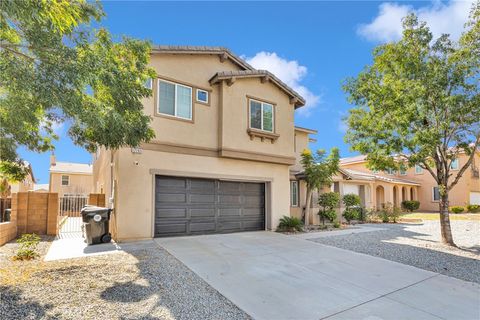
x=419, y=245
x=143, y=283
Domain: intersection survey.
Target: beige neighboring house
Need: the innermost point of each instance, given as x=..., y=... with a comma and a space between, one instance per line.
x=220, y=162
x=27, y=184
x=378, y=188
x=70, y=179
x=43, y=187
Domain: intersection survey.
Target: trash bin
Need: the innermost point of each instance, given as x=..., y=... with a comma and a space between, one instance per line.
x=95, y=224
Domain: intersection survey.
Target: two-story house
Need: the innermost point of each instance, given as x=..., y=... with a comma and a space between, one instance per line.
x=70, y=179
x=220, y=161
x=393, y=186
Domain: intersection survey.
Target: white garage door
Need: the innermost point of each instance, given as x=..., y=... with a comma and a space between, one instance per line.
x=474, y=197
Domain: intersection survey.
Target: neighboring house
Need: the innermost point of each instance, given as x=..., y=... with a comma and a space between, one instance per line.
x=394, y=186
x=70, y=179
x=26, y=184
x=220, y=161
x=41, y=187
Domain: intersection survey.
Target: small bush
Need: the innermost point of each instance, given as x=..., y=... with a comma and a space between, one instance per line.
x=473, y=208
x=329, y=215
x=336, y=224
x=290, y=224
x=384, y=216
x=351, y=200
x=411, y=205
x=28, y=247
x=328, y=201
x=352, y=213
x=457, y=209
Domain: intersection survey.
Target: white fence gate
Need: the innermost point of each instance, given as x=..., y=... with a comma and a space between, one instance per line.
x=70, y=220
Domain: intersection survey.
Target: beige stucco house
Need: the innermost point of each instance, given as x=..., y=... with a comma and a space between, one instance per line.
x=378, y=188
x=220, y=162
x=70, y=179
x=27, y=184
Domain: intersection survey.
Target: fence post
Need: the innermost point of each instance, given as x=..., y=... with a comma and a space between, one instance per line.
x=52, y=214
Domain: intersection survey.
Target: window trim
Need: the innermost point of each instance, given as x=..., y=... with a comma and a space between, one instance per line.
x=200, y=101
x=169, y=116
x=416, y=171
x=262, y=102
x=297, y=197
x=433, y=194
x=68, y=180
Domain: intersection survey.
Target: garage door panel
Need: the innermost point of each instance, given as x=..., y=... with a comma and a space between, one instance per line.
x=186, y=206
x=171, y=183
x=202, y=212
x=172, y=197
x=171, y=212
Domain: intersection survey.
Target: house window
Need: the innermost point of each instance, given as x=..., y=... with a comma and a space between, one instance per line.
x=435, y=194
x=294, y=193
x=418, y=169
x=454, y=164
x=202, y=96
x=403, y=170
x=261, y=116
x=174, y=100
x=391, y=171
x=65, y=180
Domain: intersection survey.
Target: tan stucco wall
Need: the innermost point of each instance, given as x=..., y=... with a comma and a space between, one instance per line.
x=135, y=188
x=78, y=183
x=458, y=196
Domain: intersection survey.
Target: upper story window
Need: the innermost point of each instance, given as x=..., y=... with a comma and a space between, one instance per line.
x=403, y=170
x=202, y=96
x=418, y=169
x=174, y=100
x=65, y=180
x=261, y=115
x=149, y=83
x=391, y=171
x=454, y=164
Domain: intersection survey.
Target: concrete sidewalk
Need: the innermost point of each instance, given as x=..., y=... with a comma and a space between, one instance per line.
x=274, y=276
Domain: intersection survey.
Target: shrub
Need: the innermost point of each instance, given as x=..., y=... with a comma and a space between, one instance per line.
x=473, y=208
x=457, y=209
x=336, y=224
x=28, y=247
x=351, y=200
x=352, y=213
x=328, y=201
x=290, y=224
x=411, y=205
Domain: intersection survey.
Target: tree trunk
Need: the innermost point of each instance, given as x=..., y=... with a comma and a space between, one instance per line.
x=446, y=231
x=308, y=204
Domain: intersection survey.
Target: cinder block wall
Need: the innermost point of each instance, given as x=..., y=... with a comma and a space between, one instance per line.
x=8, y=230
x=36, y=212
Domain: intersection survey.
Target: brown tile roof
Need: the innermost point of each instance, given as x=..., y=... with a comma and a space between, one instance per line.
x=299, y=101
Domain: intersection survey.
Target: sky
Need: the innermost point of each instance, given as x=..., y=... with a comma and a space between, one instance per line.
x=311, y=46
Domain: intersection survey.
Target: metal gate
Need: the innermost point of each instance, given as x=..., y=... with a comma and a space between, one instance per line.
x=70, y=219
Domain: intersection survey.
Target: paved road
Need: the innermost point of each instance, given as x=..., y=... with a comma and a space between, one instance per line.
x=274, y=276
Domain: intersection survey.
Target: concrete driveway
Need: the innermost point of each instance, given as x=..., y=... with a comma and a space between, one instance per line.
x=274, y=276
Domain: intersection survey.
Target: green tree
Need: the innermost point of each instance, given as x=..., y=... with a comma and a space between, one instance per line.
x=55, y=67
x=318, y=171
x=419, y=104
x=328, y=201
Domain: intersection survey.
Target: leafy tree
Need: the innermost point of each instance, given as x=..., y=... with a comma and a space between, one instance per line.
x=54, y=67
x=419, y=103
x=352, y=210
x=328, y=201
x=318, y=171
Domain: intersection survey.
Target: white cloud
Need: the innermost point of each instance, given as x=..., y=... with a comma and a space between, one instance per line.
x=290, y=72
x=440, y=17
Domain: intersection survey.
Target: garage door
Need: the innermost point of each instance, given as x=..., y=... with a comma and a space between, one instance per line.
x=474, y=197
x=188, y=206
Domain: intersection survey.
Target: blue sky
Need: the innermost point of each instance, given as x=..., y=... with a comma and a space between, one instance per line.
x=312, y=46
